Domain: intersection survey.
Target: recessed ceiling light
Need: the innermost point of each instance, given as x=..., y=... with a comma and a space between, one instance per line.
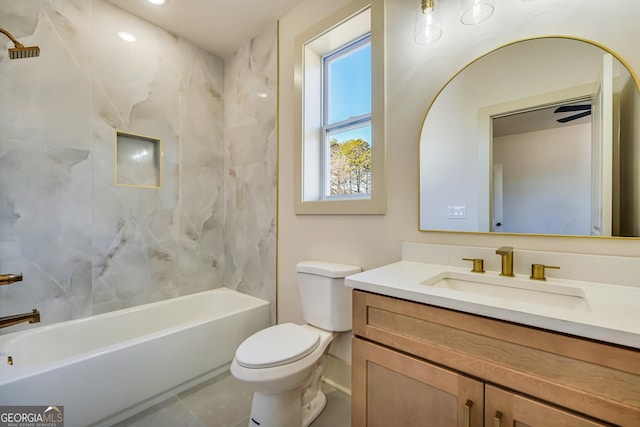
x=158, y=2
x=128, y=37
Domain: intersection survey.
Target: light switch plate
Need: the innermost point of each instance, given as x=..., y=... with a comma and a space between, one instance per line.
x=456, y=212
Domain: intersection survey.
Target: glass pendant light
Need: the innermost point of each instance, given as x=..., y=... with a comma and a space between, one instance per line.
x=475, y=11
x=428, y=27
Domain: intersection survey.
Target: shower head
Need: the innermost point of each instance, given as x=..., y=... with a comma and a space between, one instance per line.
x=20, y=51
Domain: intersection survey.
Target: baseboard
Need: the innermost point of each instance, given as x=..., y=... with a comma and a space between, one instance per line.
x=338, y=374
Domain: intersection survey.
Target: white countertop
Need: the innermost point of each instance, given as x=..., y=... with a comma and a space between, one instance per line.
x=611, y=313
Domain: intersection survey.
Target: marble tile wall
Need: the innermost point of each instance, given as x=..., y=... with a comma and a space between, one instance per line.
x=250, y=166
x=87, y=246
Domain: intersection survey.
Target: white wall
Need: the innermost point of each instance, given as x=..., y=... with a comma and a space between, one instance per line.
x=547, y=180
x=414, y=76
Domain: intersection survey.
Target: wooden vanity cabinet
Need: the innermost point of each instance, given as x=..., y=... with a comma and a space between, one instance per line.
x=403, y=391
x=419, y=365
x=504, y=408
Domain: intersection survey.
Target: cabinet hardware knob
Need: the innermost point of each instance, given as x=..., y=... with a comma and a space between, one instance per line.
x=497, y=420
x=467, y=413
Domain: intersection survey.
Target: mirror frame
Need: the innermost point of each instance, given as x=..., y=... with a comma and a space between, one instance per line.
x=634, y=76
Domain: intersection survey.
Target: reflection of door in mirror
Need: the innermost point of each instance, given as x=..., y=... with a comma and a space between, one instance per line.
x=602, y=159
x=551, y=191
x=545, y=169
x=498, y=202
x=559, y=165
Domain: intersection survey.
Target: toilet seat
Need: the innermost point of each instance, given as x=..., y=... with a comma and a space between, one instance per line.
x=277, y=345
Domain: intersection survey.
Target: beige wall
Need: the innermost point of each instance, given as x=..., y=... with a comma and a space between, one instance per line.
x=414, y=76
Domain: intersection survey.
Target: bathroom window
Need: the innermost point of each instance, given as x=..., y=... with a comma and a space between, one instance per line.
x=346, y=116
x=339, y=157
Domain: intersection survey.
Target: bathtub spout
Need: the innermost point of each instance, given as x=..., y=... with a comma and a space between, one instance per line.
x=33, y=317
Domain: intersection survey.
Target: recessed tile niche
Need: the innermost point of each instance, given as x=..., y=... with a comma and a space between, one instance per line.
x=138, y=160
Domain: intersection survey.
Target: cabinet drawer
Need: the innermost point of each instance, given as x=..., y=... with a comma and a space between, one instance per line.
x=597, y=379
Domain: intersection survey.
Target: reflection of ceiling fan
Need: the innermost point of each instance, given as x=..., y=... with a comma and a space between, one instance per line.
x=585, y=110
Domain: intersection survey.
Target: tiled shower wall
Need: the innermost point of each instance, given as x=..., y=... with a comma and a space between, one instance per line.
x=87, y=246
x=250, y=167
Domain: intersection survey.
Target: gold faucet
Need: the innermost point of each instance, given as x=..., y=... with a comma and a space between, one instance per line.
x=506, y=252
x=537, y=271
x=7, y=279
x=478, y=264
x=33, y=317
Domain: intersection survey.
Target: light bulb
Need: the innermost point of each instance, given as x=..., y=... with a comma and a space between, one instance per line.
x=475, y=11
x=428, y=27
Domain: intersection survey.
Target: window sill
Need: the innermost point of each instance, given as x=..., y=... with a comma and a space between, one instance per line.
x=373, y=206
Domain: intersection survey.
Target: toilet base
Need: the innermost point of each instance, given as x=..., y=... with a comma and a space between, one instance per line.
x=313, y=409
x=284, y=409
x=276, y=410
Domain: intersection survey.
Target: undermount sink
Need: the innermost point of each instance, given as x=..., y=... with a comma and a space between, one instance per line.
x=511, y=288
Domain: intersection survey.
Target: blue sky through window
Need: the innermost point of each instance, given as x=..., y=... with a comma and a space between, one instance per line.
x=363, y=133
x=350, y=89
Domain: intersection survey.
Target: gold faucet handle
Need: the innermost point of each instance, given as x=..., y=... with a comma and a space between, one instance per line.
x=537, y=271
x=478, y=264
x=504, y=250
x=7, y=279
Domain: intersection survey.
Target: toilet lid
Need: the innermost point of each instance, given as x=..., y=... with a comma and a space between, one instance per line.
x=277, y=345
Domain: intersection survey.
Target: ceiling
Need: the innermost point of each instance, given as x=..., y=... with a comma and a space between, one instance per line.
x=219, y=26
x=222, y=26
x=536, y=120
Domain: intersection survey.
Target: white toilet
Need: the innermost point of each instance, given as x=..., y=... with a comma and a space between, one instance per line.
x=283, y=364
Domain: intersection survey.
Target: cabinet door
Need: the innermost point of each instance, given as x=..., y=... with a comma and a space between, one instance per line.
x=390, y=388
x=507, y=409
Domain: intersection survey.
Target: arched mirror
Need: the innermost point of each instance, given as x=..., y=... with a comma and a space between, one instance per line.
x=539, y=137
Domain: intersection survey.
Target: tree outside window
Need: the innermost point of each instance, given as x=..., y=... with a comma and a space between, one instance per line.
x=350, y=171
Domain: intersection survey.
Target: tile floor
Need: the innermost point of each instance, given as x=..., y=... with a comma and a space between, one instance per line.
x=225, y=402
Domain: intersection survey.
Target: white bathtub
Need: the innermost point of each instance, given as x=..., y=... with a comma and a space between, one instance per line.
x=106, y=367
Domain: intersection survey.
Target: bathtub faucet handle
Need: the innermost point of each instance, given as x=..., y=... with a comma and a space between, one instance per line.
x=7, y=279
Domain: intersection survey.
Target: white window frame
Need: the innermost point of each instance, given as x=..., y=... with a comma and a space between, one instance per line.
x=345, y=125
x=351, y=23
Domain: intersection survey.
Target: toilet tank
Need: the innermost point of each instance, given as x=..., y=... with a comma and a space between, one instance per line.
x=326, y=301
